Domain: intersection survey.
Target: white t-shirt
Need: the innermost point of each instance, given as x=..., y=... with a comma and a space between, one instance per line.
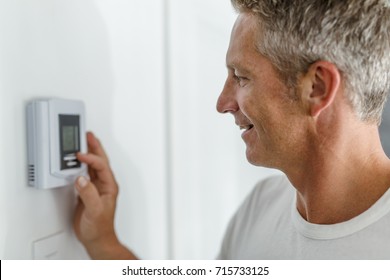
x=268, y=226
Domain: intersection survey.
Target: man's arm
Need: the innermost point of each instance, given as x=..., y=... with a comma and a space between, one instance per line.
x=94, y=217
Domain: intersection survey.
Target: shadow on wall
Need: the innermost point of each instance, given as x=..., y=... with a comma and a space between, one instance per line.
x=384, y=129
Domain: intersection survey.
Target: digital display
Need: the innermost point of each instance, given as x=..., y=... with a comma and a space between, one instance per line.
x=69, y=129
x=70, y=138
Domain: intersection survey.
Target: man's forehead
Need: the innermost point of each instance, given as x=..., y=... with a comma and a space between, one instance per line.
x=242, y=42
x=244, y=21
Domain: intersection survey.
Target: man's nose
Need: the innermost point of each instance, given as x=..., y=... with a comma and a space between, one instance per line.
x=226, y=102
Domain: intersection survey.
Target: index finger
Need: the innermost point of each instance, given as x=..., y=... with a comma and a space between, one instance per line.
x=95, y=147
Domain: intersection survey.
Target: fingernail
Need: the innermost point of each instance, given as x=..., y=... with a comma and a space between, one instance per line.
x=82, y=182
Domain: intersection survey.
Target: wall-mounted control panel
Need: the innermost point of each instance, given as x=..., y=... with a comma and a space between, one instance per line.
x=55, y=133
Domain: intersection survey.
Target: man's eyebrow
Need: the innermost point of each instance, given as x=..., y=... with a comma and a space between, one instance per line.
x=235, y=66
x=230, y=67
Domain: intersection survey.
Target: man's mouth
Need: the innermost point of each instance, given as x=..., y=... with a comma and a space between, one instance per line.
x=246, y=127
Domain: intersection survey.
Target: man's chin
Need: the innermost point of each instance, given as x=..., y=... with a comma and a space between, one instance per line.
x=257, y=160
x=253, y=159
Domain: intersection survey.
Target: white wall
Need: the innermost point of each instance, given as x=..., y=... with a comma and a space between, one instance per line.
x=150, y=73
x=3, y=207
x=136, y=137
x=45, y=51
x=211, y=176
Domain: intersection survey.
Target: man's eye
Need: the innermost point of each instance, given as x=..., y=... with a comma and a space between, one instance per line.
x=237, y=78
x=240, y=80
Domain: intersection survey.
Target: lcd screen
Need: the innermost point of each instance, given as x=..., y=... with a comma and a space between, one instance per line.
x=69, y=138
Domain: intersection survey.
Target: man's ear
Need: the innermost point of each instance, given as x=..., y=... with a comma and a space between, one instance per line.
x=320, y=86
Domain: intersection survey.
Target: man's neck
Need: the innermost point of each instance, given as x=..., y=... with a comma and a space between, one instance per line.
x=342, y=178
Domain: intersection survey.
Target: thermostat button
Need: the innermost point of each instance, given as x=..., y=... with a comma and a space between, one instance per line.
x=70, y=157
x=71, y=163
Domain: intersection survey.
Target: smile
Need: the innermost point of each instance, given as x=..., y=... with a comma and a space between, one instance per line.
x=246, y=127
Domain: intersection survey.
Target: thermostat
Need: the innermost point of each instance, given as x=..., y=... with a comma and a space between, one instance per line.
x=55, y=133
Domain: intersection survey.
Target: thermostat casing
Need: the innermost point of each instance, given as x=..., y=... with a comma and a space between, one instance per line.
x=55, y=133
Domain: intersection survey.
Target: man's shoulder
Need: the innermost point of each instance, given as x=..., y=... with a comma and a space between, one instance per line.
x=272, y=185
x=274, y=180
x=269, y=192
x=269, y=200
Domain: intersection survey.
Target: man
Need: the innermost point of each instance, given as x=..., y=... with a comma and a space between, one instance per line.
x=307, y=82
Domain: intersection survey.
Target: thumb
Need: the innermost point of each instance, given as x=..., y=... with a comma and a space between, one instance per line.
x=89, y=195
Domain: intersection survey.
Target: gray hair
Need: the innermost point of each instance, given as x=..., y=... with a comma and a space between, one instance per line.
x=352, y=34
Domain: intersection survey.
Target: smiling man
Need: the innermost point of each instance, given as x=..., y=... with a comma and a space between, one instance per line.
x=307, y=83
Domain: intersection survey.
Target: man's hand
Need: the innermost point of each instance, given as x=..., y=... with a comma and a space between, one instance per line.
x=94, y=217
